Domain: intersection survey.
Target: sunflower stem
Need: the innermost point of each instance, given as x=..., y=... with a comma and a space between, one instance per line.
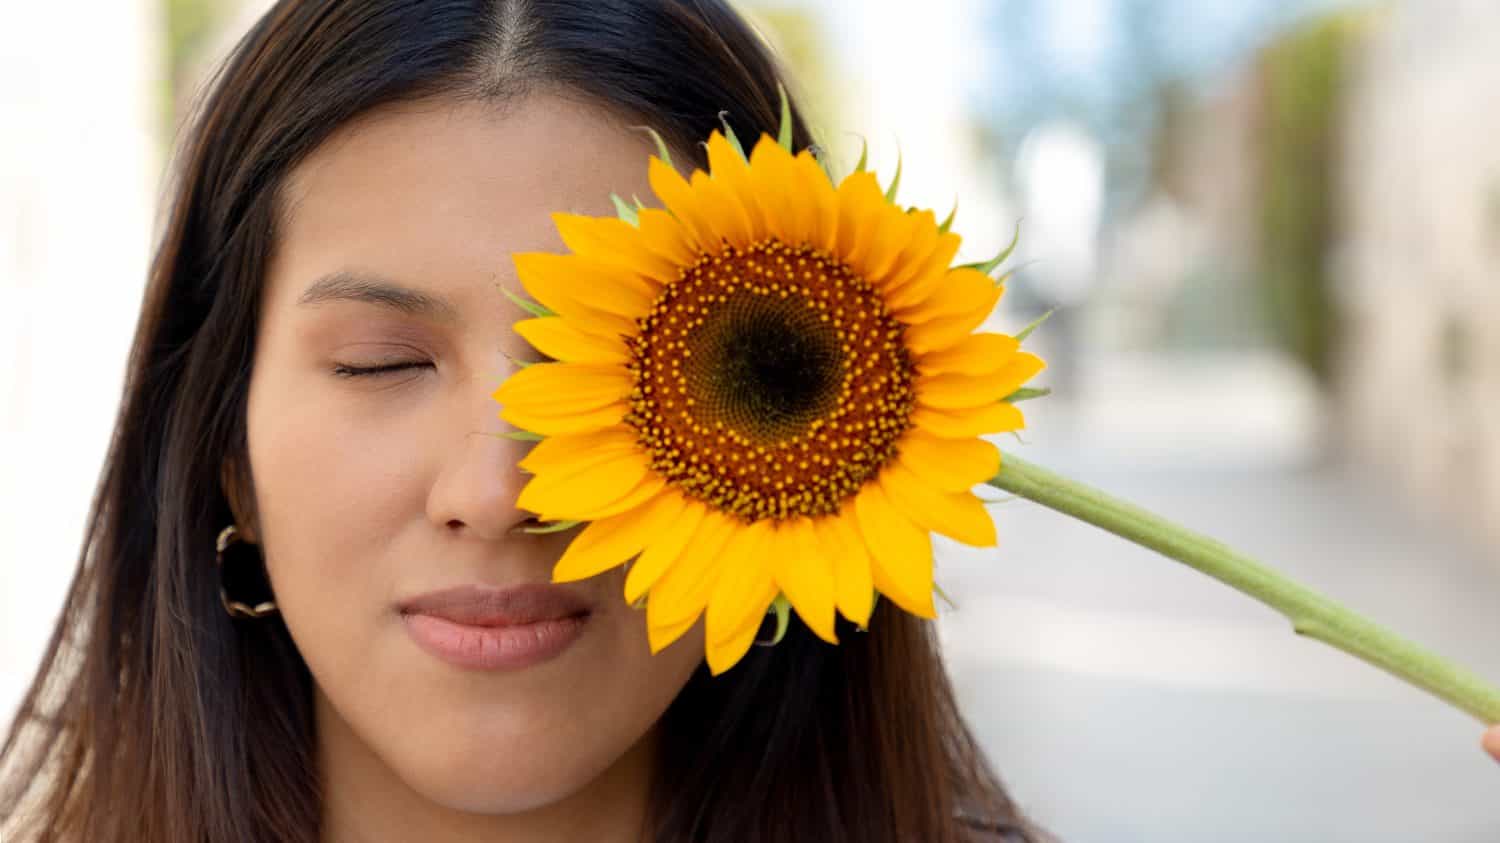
x=1311, y=614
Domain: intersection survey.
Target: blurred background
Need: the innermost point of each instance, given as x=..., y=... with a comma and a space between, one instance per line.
x=1270, y=234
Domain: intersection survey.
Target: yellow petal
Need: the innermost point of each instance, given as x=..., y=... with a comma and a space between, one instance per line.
x=548, y=388
x=955, y=392
x=949, y=330
x=663, y=550
x=950, y=391
x=614, y=241
x=962, y=291
x=536, y=420
x=900, y=233
x=976, y=354
x=777, y=191
x=727, y=654
x=662, y=637
x=664, y=235
x=566, y=453
x=1023, y=367
x=722, y=211
x=892, y=231
x=608, y=542
x=957, y=515
x=556, y=338
x=921, y=277
x=683, y=591
x=731, y=171
x=571, y=288
x=673, y=191
x=821, y=201
x=859, y=198
x=915, y=252
x=974, y=421
x=948, y=465
x=900, y=551
x=571, y=494
x=805, y=576
x=853, y=588
x=723, y=161
x=650, y=487
x=745, y=588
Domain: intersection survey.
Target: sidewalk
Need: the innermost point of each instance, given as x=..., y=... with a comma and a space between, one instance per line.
x=1124, y=697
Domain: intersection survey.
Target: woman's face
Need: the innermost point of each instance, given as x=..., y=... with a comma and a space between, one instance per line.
x=375, y=489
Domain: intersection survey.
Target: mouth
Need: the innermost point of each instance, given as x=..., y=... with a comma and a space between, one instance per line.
x=484, y=628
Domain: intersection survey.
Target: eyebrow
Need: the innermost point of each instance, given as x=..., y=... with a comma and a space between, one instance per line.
x=349, y=285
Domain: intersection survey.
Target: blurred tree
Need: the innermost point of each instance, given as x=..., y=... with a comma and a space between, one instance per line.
x=191, y=27
x=1303, y=76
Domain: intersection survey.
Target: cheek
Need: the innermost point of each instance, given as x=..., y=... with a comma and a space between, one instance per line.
x=331, y=486
x=331, y=492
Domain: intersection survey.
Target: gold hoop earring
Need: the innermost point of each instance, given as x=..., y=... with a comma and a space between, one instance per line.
x=228, y=537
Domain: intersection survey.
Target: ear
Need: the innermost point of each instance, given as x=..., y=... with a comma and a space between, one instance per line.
x=237, y=486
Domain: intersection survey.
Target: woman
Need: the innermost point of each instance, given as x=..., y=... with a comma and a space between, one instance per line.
x=307, y=410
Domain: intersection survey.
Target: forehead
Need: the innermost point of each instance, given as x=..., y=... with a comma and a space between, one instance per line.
x=439, y=194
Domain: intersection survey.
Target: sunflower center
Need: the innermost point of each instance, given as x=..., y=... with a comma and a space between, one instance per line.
x=771, y=382
x=764, y=366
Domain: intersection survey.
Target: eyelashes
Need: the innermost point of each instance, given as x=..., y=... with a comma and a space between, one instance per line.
x=345, y=370
x=350, y=370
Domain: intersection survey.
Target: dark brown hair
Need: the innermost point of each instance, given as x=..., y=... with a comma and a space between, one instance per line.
x=155, y=717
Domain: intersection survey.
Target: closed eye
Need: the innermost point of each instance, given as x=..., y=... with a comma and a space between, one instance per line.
x=351, y=371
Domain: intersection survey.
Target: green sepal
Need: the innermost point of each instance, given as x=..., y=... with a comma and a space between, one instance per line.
x=864, y=154
x=554, y=527
x=1026, y=393
x=1017, y=434
x=661, y=145
x=1035, y=323
x=994, y=263
x=624, y=210
x=639, y=205
x=784, y=134
x=783, y=610
x=948, y=223
x=890, y=193
x=944, y=595
x=519, y=363
x=522, y=435
x=531, y=307
x=734, y=142
x=821, y=156
x=640, y=602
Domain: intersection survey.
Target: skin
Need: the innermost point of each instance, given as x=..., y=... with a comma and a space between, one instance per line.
x=374, y=489
x=1492, y=742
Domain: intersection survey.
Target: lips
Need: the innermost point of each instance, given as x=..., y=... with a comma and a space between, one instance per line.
x=483, y=606
x=482, y=628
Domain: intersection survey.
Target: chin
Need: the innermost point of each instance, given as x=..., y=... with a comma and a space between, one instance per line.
x=494, y=777
x=497, y=770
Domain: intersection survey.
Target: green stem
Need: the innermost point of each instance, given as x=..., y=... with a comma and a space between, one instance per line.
x=1311, y=614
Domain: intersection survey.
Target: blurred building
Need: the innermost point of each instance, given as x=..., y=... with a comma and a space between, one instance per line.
x=79, y=158
x=1418, y=258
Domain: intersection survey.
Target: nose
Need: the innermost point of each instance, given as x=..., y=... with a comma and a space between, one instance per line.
x=479, y=483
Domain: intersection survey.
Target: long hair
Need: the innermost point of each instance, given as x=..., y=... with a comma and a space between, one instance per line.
x=154, y=717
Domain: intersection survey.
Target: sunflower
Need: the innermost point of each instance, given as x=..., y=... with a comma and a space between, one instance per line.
x=770, y=390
